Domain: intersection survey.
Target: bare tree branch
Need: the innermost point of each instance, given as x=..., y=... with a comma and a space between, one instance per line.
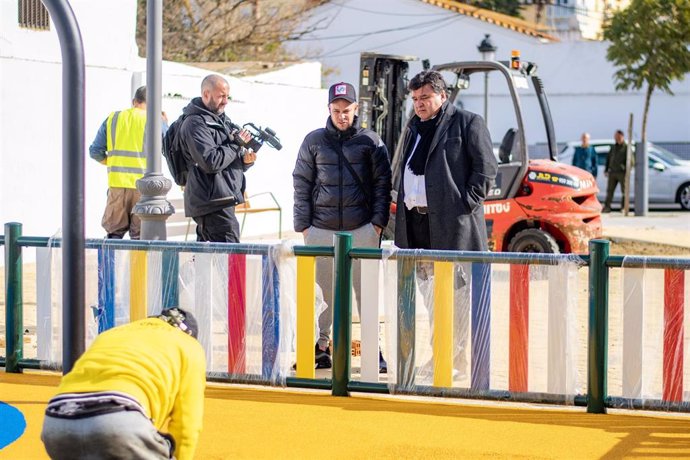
x=229, y=30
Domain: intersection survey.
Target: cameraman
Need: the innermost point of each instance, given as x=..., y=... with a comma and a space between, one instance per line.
x=216, y=161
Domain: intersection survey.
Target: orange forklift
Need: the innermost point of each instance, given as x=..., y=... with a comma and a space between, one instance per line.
x=537, y=205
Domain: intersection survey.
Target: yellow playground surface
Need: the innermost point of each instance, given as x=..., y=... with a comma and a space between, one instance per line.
x=258, y=422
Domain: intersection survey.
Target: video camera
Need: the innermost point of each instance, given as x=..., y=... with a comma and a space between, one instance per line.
x=259, y=136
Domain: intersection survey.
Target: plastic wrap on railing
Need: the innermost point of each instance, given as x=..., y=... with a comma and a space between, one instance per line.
x=48, y=305
x=128, y=285
x=49, y=308
x=485, y=328
x=244, y=304
x=648, y=364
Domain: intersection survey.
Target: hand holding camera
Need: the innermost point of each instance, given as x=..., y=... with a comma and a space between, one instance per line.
x=244, y=137
x=248, y=154
x=253, y=137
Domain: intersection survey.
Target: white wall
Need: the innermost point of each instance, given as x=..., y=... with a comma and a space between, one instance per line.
x=304, y=74
x=30, y=118
x=578, y=79
x=107, y=30
x=288, y=100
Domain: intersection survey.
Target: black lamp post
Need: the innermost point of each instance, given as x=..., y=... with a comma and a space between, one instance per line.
x=488, y=50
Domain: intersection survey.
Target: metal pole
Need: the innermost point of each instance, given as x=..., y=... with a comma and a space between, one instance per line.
x=342, y=313
x=154, y=79
x=73, y=93
x=14, y=345
x=641, y=179
x=598, y=326
x=153, y=208
x=486, y=98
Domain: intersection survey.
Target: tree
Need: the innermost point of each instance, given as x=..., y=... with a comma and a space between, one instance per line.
x=650, y=45
x=228, y=30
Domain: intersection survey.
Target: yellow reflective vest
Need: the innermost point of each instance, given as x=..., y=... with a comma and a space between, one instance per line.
x=126, y=160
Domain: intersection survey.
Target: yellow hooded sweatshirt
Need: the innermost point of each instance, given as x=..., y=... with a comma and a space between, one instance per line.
x=157, y=364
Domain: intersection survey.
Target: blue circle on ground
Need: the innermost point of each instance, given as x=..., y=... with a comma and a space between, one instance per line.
x=12, y=424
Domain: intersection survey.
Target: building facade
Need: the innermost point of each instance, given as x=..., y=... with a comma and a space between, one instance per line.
x=572, y=19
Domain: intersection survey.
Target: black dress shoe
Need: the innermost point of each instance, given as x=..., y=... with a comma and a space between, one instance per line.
x=383, y=365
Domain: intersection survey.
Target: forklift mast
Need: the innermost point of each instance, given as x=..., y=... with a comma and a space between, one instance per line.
x=382, y=91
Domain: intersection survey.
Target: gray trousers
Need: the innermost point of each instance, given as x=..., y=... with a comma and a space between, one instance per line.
x=118, y=435
x=362, y=237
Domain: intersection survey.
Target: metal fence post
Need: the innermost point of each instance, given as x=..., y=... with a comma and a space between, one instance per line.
x=73, y=264
x=14, y=343
x=342, y=313
x=598, y=326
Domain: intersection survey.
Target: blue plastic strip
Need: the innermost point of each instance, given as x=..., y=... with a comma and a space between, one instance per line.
x=270, y=300
x=481, y=326
x=171, y=291
x=106, y=289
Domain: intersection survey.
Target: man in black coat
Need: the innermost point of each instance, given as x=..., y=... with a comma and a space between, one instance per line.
x=445, y=174
x=615, y=170
x=216, y=162
x=342, y=182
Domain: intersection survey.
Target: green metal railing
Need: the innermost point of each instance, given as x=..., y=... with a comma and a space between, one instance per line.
x=599, y=262
x=14, y=343
x=598, y=326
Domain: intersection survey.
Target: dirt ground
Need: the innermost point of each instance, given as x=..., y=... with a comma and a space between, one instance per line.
x=629, y=247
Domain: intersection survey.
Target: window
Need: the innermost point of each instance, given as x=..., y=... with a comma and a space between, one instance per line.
x=33, y=15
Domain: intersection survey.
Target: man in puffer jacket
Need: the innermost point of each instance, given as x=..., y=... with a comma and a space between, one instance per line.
x=342, y=182
x=216, y=162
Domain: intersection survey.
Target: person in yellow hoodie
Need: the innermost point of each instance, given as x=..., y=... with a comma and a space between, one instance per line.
x=137, y=392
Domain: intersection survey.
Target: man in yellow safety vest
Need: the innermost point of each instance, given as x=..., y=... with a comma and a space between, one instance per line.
x=119, y=144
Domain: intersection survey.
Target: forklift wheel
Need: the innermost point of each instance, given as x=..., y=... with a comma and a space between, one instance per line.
x=533, y=240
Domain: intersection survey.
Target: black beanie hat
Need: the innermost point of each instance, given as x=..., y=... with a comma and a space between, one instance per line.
x=181, y=319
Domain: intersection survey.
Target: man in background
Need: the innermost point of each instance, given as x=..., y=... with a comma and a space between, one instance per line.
x=342, y=181
x=615, y=170
x=216, y=161
x=446, y=172
x=119, y=144
x=585, y=157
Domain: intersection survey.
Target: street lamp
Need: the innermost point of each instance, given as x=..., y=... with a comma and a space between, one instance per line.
x=153, y=208
x=488, y=50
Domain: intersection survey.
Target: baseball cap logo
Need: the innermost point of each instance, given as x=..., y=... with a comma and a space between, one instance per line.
x=341, y=90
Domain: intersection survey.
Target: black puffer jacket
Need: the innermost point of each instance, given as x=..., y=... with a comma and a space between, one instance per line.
x=327, y=196
x=214, y=160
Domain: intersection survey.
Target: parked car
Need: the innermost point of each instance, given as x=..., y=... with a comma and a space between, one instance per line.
x=669, y=175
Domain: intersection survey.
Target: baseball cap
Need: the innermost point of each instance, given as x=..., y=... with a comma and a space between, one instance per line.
x=342, y=90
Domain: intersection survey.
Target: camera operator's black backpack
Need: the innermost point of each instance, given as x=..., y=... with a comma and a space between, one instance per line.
x=172, y=151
